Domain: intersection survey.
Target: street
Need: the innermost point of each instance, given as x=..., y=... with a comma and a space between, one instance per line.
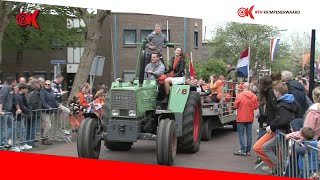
x=216, y=154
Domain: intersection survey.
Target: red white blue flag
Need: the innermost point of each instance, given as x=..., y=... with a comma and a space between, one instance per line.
x=274, y=43
x=243, y=63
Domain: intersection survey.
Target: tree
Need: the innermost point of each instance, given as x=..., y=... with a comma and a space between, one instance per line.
x=47, y=37
x=206, y=69
x=230, y=40
x=7, y=10
x=94, y=22
x=300, y=45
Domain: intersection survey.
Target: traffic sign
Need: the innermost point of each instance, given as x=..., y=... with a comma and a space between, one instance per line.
x=58, y=61
x=97, y=66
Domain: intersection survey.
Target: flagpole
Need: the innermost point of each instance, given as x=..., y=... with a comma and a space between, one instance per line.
x=248, y=65
x=190, y=62
x=270, y=53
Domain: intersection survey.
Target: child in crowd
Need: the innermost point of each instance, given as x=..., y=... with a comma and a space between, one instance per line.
x=76, y=113
x=75, y=106
x=307, y=134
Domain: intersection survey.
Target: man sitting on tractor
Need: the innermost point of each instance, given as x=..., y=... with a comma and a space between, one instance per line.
x=155, y=68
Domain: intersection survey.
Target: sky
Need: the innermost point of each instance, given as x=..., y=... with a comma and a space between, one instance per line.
x=216, y=12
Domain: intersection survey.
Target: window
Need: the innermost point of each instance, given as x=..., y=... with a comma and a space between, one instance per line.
x=195, y=39
x=144, y=34
x=165, y=33
x=75, y=23
x=130, y=37
x=74, y=53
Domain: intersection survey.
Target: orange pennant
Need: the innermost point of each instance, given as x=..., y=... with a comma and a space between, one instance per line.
x=305, y=59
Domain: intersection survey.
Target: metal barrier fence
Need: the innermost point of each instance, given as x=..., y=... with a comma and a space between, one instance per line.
x=229, y=94
x=296, y=159
x=21, y=129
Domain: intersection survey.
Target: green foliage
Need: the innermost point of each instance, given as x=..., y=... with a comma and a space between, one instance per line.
x=53, y=32
x=212, y=66
x=230, y=40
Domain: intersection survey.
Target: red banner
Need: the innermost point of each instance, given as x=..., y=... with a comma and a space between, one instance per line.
x=35, y=166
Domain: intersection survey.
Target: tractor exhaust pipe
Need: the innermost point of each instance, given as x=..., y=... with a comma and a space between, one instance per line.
x=142, y=63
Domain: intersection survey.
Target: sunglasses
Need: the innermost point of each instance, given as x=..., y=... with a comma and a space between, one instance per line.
x=47, y=84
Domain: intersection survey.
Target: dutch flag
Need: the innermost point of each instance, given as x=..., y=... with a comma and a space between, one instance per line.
x=274, y=43
x=243, y=63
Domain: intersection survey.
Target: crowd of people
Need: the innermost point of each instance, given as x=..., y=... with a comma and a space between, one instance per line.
x=20, y=103
x=284, y=106
x=30, y=106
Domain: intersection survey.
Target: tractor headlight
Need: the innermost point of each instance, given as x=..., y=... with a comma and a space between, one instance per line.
x=132, y=113
x=115, y=112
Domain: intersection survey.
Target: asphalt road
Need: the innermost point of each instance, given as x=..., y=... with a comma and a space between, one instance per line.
x=216, y=154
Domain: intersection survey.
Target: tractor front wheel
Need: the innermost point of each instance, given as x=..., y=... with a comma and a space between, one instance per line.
x=166, y=143
x=88, y=143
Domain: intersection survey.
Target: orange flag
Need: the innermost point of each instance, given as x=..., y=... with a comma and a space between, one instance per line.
x=305, y=59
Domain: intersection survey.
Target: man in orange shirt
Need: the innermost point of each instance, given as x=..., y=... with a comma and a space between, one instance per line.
x=245, y=103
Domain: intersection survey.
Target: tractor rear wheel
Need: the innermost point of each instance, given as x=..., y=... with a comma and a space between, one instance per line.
x=206, y=133
x=118, y=146
x=191, y=125
x=166, y=143
x=88, y=143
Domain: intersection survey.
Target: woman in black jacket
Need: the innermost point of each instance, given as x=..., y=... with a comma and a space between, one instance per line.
x=267, y=111
x=175, y=72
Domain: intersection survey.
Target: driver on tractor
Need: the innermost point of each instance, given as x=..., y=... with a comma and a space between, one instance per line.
x=155, y=68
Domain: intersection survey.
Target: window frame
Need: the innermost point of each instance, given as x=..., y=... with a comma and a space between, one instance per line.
x=144, y=30
x=135, y=37
x=196, y=39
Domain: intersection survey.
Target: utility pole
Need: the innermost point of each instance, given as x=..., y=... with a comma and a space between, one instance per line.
x=312, y=57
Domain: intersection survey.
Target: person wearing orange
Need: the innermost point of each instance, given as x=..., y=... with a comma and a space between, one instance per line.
x=99, y=102
x=82, y=94
x=245, y=103
x=216, y=88
x=76, y=118
x=175, y=72
x=76, y=115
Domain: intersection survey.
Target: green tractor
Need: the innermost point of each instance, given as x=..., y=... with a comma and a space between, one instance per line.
x=134, y=111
